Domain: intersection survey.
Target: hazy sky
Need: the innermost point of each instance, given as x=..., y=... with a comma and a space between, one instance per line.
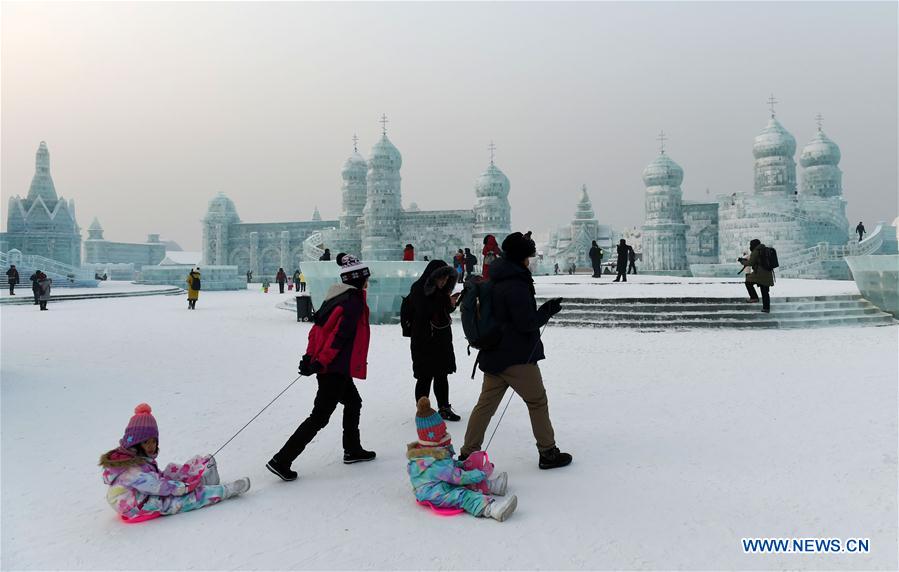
x=150, y=109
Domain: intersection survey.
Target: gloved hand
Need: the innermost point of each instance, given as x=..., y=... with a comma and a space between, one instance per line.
x=193, y=482
x=309, y=367
x=552, y=307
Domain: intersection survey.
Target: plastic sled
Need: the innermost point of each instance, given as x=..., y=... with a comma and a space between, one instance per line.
x=440, y=510
x=140, y=518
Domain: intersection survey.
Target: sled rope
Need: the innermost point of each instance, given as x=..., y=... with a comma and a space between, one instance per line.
x=508, y=401
x=257, y=415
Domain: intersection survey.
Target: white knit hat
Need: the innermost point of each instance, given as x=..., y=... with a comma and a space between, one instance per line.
x=352, y=269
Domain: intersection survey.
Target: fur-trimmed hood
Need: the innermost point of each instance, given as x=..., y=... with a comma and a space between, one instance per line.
x=448, y=272
x=119, y=459
x=415, y=451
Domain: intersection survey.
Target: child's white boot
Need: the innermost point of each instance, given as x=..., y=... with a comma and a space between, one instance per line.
x=501, y=509
x=238, y=487
x=211, y=473
x=497, y=485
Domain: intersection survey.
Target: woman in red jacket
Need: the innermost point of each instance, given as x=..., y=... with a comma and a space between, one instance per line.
x=490, y=253
x=337, y=352
x=409, y=253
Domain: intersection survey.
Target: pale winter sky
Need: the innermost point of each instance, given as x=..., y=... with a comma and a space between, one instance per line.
x=150, y=109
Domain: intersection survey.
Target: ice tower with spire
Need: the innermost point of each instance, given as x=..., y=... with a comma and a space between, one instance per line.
x=664, y=232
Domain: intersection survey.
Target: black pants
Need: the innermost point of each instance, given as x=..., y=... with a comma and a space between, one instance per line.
x=43, y=304
x=36, y=294
x=12, y=288
x=333, y=388
x=191, y=304
x=859, y=237
x=281, y=287
x=622, y=273
x=766, y=299
x=441, y=388
x=630, y=267
x=302, y=286
x=597, y=270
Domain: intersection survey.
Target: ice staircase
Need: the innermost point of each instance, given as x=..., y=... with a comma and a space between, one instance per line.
x=61, y=274
x=24, y=295
x=689, y=313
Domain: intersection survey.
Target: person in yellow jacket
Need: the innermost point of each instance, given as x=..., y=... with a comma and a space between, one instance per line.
x=193, y=288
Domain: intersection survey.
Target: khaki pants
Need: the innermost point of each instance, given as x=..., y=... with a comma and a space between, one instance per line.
x=526, y=381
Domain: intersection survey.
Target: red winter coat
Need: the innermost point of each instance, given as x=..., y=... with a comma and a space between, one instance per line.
x=490, y=253
x=339, y=339
x=408, y=254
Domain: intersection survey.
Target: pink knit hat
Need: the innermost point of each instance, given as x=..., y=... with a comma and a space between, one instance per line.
x=141, y=427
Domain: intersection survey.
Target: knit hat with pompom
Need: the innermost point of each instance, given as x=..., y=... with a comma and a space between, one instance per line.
x=431, y=427
x=141, y=427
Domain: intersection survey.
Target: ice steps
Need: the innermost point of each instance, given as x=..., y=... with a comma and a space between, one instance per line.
x=24, y=295
x=687, y=313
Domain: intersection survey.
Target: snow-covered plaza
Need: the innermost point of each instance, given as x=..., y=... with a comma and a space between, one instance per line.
x=683, y=443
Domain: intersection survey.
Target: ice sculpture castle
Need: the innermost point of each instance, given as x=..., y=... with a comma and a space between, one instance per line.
x=807, y=225
x=43, y=223
x=372, y=222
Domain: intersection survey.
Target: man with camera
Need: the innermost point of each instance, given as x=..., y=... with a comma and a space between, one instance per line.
x=757, y=275
x=513, y=362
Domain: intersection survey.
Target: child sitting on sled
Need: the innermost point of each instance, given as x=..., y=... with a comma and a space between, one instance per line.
x=442, y=482
x=138, y=490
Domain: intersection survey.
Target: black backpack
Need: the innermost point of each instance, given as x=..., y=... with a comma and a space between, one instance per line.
x=406, y=315
x=768, y=259
x=195, y=283
x=478, y=322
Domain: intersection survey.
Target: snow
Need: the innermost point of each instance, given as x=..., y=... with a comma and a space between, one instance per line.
x=648, y=286
x=104, y=287
x=682, y=446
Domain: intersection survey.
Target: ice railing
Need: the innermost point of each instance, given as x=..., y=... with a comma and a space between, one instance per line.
x=313, y=247
x=47, y=265
x=823, y=251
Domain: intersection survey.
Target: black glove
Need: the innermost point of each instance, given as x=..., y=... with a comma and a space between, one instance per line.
x=309, y=367
x=552, y=307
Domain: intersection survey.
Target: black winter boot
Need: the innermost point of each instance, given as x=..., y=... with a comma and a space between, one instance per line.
x=283, y=472
x=358, y=456
x=553, y=459
x=447, y=414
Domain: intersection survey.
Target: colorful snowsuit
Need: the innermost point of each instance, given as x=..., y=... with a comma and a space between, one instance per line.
x=443, y=482
x=137, y=488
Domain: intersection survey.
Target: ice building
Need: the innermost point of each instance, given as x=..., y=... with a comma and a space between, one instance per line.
x=806, y=223
x=99, y=251
x=372, y=221
x=571, y=244
x=43, y=224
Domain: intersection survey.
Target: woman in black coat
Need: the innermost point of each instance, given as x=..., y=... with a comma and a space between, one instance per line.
x=433, y=358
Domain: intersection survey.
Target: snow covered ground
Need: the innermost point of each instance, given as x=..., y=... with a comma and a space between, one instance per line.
x=648, y=286
x=107, y=287
x=682, y=446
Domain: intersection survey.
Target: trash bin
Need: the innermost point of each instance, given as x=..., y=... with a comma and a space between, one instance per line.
x=304, y=308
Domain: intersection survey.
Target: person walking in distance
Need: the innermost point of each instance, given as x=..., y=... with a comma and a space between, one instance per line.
x=489, y=254
x=596, y=254
x=760, y=276
x=35, y=288
x=326, y=255
x=512, y=362
x=12, y=277
x=337, y=352
x=860, y=229
x=44, y=285
x=621, y=264
x=408, y=253
x=631, y=259
x=281, y=279
x=470, y=261
x=193, y=288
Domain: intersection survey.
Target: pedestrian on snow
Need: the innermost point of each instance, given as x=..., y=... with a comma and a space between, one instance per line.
x=12, y=276
x=35, y=286
x=556, y=268
x=860, y=229
x=44, y=285
x=326, y=255
x=337, y=352
x=139, y=491
x=621, y=265
x=440, y=481
x=490, y=253
x=470, y=261
x=631, y=259
x=513, y=362
x=302, y=284
x=572, y=267
x=596, y=253
x=296, y=279
x=281, y=279
x=249, y=276
x=193, y=288
x=409, y=253
x=761, y=277
x=426, y=258
x=459, y=264
x=432, y=301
